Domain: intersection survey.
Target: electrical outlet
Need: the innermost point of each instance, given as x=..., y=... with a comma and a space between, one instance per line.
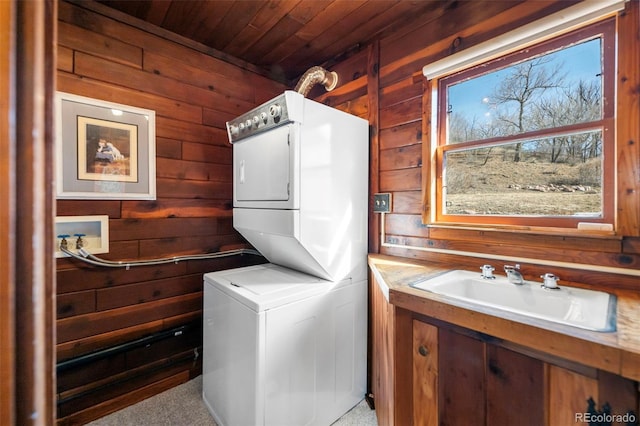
x=382, y=203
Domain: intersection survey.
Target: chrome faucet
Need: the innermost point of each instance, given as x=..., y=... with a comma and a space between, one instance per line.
x=550, y=281
x=513, y=274
x=487, y=272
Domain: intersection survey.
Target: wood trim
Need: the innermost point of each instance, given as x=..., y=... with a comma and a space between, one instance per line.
x=373, y=91
x=427, y=173
x=381, y=355
x=49, y=284
x=34, y=76
x=628, y=124
x=402, y=366
x=128, y=399
x=7, y=215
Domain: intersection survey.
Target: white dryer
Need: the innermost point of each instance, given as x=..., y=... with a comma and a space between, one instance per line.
x=301, y=185
x=282, y=347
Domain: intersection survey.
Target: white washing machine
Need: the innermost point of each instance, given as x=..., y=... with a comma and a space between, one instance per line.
x=282, y=347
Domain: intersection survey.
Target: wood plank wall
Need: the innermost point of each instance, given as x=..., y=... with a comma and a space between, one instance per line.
x=400, y=163
x=193, y=94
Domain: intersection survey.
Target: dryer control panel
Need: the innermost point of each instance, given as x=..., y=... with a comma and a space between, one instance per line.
x=269, y=115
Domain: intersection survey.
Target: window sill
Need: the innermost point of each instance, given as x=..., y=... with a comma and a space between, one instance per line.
x=519, y=229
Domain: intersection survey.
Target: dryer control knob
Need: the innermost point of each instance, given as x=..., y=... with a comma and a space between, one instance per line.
x=263, y=117
x=233, y=129
x=275, y=110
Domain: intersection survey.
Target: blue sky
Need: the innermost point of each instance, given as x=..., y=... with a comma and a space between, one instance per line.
x=581, y=61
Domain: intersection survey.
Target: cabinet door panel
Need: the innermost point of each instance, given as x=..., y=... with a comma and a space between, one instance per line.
x=619, y=393
x=568, y=395
x=515, y=388
x=425, y=374
x=461, y=377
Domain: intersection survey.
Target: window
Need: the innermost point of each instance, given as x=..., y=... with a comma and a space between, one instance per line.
x=528, y=138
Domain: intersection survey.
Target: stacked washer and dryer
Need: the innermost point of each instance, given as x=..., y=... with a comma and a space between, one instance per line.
x=285, y=343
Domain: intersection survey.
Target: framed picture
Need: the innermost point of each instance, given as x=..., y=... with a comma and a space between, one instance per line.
x=104, y=150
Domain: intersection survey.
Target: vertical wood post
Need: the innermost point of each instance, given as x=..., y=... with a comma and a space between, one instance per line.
x=628, y=121
x=34, y=283
x=7, y=214
x=373, y=91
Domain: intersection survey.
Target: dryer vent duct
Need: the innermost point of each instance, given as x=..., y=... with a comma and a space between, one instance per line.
x=316, y=75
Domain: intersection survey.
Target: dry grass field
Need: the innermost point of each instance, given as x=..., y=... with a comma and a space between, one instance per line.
x=502, y=187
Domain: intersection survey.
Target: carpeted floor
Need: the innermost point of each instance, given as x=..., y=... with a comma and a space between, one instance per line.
x=183, y=406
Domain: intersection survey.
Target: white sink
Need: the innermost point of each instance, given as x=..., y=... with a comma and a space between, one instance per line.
x=587, y=309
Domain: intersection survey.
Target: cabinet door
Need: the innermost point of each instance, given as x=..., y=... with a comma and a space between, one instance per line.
x=425, y=374
x=461, y=379
x=515, y=388
x=570, y=393
x=620, y=394
x=568, y=396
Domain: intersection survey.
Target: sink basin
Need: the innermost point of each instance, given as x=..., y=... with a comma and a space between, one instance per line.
x=587, y=309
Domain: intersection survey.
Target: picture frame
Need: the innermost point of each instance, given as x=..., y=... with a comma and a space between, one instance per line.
x=104, y=150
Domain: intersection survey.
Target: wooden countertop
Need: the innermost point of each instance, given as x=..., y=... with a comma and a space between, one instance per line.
x=617, y=352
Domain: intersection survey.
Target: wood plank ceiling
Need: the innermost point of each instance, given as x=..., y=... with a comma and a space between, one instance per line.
x=283, y=38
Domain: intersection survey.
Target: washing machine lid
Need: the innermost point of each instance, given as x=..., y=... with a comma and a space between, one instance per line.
x=268, y=286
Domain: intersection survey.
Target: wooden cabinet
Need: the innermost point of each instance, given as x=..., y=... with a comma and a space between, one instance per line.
x=472, y=381
x=428, y=372
x=476, y=379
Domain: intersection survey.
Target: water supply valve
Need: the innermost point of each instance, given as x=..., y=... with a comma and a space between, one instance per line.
x=80, y=243
x=64, y=243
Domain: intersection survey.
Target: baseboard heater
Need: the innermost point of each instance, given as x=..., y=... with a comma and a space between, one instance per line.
x=113, y=350
x=133, y=344
x=62, y=401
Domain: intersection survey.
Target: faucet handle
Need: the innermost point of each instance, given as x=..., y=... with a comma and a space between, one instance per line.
x=550, y=281
x=487, y=272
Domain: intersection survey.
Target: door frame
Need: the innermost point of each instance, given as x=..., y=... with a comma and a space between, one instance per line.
x=27, y=280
